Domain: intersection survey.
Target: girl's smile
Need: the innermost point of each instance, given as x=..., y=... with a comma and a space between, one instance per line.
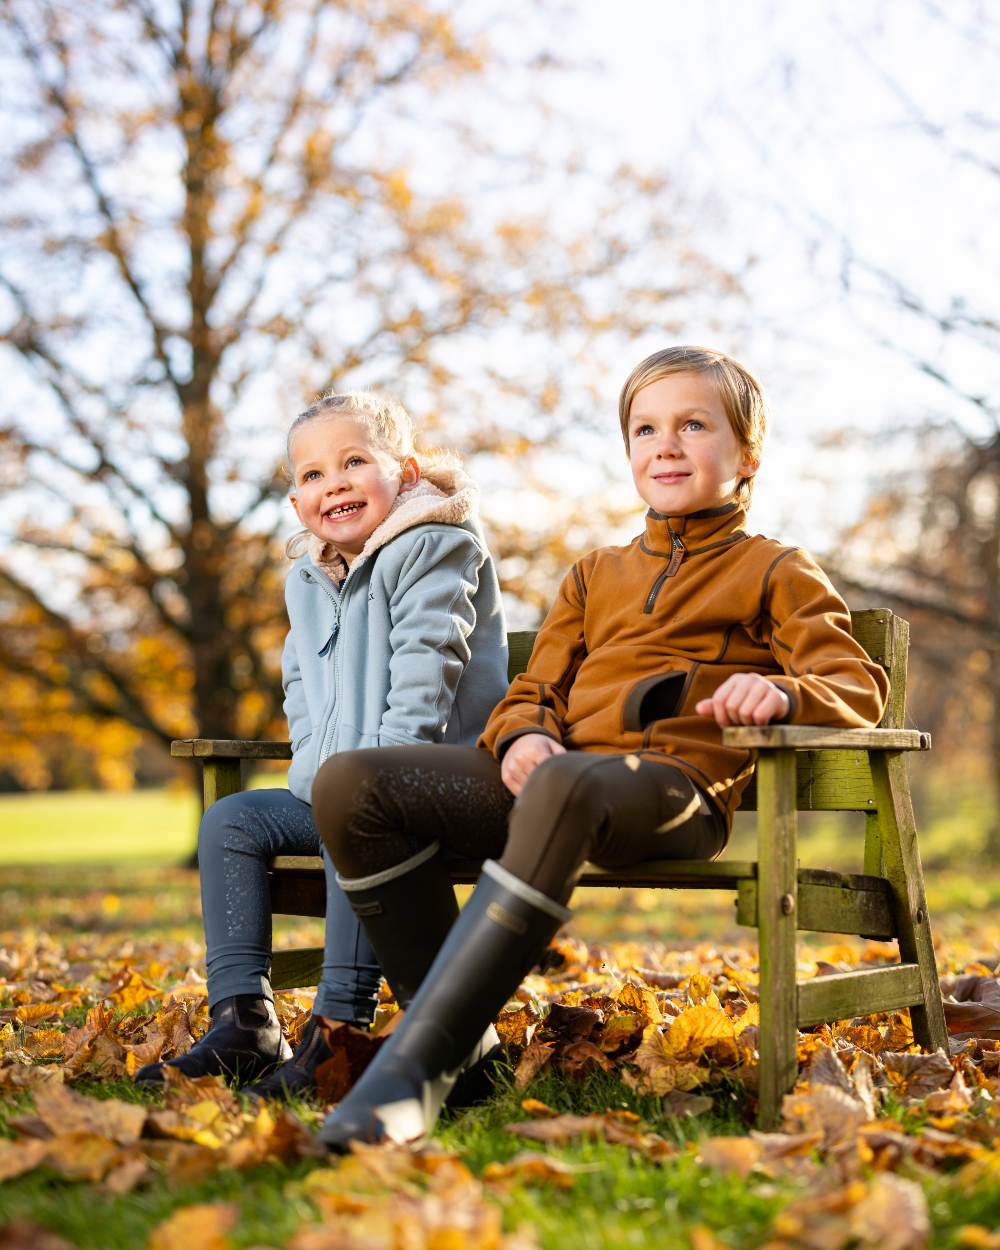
x=344, y=484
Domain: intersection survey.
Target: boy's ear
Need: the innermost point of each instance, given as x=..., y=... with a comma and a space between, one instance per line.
x=749, y=465
x=410, y=475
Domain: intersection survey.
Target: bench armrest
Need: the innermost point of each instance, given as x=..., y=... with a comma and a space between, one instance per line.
x=815, y=738
x=229, y=749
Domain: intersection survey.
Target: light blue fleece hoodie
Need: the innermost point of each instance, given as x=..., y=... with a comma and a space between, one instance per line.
x=410, y=648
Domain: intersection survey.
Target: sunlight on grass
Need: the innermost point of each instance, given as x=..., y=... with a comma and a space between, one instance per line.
x=90, y=827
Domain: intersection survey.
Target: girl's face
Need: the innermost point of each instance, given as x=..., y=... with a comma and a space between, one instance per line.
x=682, y=450
x=344, y=485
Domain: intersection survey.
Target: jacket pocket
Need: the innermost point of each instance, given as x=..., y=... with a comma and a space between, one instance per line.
x=652, y=699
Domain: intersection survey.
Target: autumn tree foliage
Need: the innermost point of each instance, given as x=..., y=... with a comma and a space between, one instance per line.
x=213, y=212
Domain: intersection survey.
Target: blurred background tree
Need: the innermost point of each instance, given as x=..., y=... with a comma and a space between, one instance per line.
x=216, y=210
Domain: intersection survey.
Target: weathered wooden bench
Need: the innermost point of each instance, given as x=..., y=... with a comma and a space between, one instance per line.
x=798, y=769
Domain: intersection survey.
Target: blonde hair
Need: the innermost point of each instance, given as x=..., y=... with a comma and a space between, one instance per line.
x=391, y=429
x=742, y=397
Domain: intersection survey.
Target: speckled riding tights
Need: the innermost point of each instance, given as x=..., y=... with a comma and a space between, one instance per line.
x=376, y=808
x=239, y=836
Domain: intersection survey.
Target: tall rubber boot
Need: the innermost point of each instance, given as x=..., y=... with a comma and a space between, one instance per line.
x=414, y=901
x=503, y=928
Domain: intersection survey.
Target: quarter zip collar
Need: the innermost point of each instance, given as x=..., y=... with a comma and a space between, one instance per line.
x=694, y=531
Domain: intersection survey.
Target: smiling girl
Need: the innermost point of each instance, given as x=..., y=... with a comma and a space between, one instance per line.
x=397, y=638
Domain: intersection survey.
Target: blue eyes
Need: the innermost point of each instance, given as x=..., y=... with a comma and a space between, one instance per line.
x=312, y=474
x=646, y=428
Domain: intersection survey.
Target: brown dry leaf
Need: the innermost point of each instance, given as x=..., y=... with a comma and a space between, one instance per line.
x=82, y=1156
x=578, y=1059
x=203, y=1226
x=559, y=1129
x=530, y=1168
x=736, y=1155
x=536, y=1057
x=892, y=1215
x=954, y=1100
x=572, y=1024
x=972, y=1006
x=24, y=1235
x=678, y=1103
x=63, y=1110
x=19, y=1157
x=566, y=1128
x=26, y=1076
x=826, y=1111
x=915, y=1076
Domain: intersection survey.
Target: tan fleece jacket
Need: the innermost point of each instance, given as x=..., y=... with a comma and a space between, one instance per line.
x=639, y=634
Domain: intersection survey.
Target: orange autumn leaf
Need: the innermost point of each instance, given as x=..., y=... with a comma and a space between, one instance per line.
x=204, y=1226
x=698, y=1029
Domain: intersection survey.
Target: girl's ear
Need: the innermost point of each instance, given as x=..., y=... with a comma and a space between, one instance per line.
x=294, y=501
x=410, y=475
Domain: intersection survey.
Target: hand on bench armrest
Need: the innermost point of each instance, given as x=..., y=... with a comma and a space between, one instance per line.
x=815, y=738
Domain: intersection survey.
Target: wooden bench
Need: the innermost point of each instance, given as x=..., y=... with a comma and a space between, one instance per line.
x=798, y=769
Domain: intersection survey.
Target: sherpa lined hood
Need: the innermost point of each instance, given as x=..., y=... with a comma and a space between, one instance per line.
x=450, y=498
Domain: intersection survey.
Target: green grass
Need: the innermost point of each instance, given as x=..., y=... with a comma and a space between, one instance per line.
x=103, y=869
x=143, y=826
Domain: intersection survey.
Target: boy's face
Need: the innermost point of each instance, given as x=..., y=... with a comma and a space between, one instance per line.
x=682, y=450
x=344, y=484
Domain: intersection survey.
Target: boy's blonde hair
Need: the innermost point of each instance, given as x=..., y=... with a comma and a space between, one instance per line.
x=391, y=429
x=742, y=397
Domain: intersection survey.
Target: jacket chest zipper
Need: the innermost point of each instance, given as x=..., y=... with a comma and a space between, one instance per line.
x=677, y=553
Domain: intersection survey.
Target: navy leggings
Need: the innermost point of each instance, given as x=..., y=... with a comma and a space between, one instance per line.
x=238, y=836
x=375, y=809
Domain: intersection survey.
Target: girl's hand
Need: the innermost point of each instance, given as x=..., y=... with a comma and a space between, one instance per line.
x=745, y=699
x=523, y=756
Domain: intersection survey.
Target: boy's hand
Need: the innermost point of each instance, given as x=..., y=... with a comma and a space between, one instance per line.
x=745, y=699
x=523, y=756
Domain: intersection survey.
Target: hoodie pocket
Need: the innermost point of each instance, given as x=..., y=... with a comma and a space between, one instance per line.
x=652, y=699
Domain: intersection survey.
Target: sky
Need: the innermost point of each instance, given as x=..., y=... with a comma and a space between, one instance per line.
x=800, y=126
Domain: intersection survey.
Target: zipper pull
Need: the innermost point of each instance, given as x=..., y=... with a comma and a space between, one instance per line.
x=677, y=554
x=328, y=645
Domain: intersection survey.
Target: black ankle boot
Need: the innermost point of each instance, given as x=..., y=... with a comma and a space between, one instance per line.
x=297, y=1075
x=503, y=928
x=244, y=1041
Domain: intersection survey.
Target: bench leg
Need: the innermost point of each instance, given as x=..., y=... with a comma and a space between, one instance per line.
x=777, y=825
x=905, y=875
x=221, y=778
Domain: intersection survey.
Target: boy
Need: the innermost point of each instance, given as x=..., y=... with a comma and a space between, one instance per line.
x=610, y=741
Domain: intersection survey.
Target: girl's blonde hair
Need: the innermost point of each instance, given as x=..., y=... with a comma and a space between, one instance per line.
x=391, y=429
x=742, y=397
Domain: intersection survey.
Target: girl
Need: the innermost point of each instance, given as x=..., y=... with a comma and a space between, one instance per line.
x=397, y=637
x=610, y=742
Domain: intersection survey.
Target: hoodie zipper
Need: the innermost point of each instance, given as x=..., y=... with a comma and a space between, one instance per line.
x=677, y=553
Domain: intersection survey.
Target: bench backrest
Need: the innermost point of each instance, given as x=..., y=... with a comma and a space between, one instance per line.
x=827, y=780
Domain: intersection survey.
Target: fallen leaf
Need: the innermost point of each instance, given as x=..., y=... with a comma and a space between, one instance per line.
x=536, y=1057
x=203, y=1226
x=531, y=1168
x=580, y=1058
